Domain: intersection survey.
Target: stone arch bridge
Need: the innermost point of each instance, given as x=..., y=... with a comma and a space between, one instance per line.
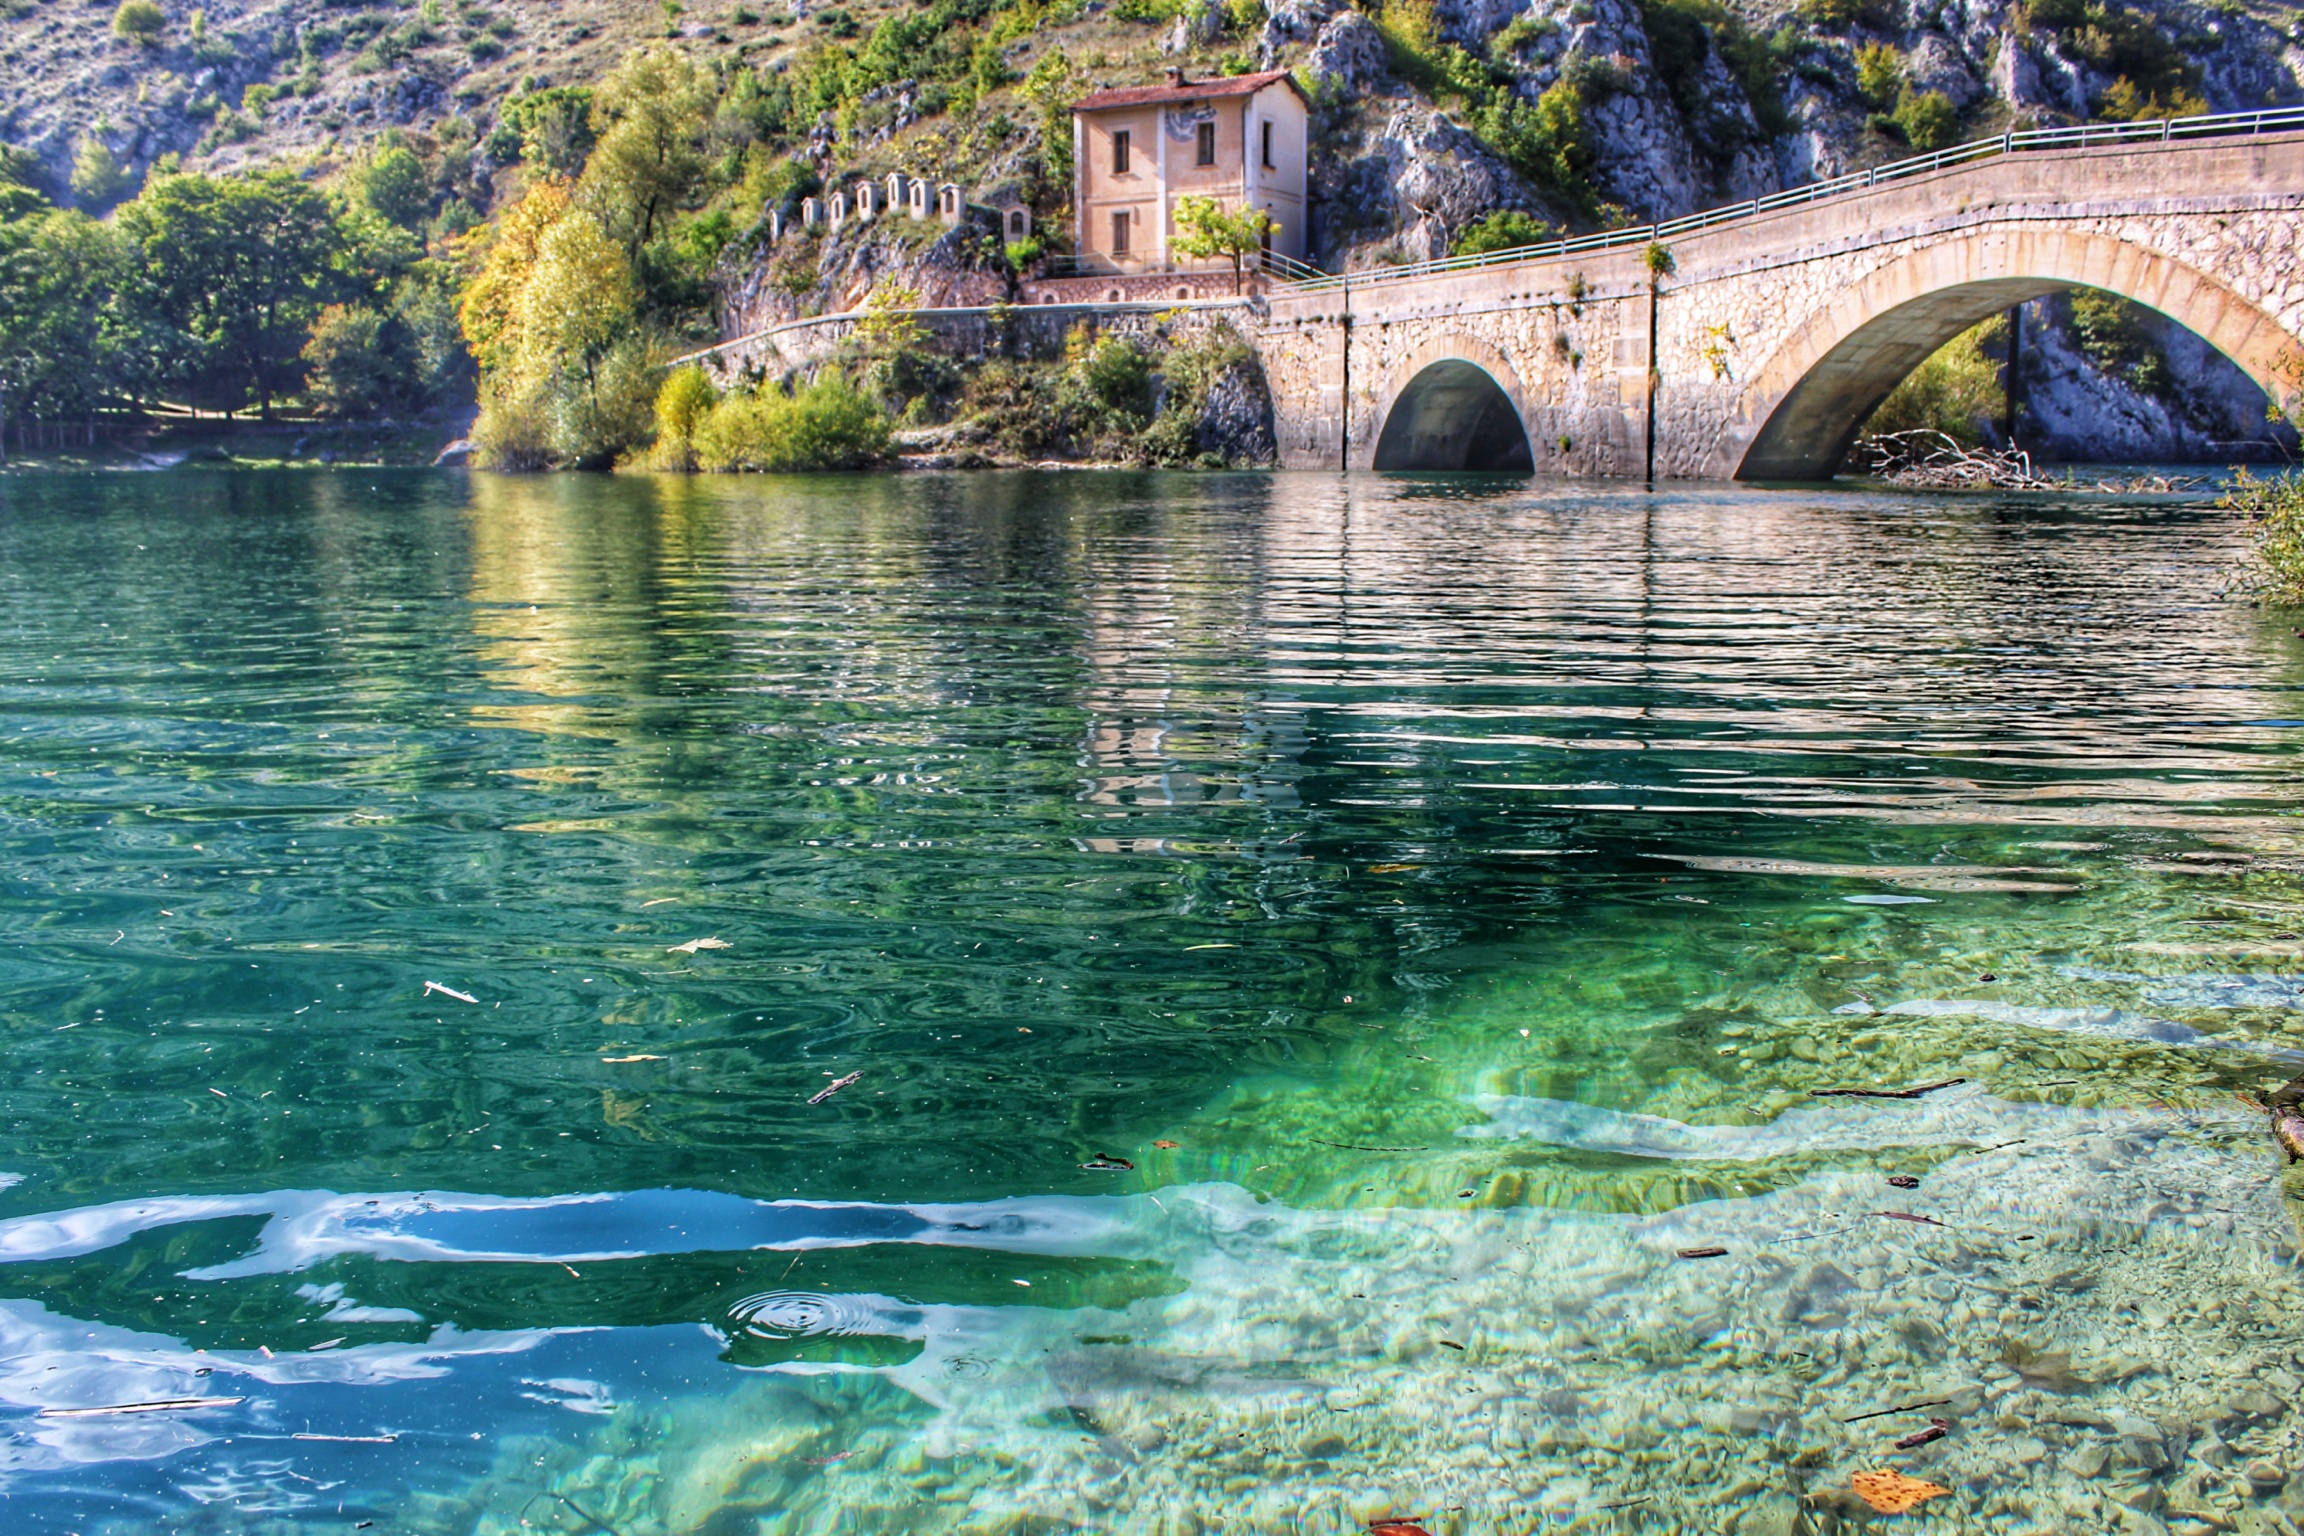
x=1779, y=328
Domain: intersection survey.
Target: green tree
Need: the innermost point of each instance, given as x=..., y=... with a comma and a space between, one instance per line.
x=96, y=176
x=139, y=22
x=651, y=116
x=236, y=268
x=1206, y=232
x=391, y=183
x=554, y=128
x=357, y=362
x=66, y=342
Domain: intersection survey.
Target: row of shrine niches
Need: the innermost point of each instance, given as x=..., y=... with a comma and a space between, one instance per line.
x=899, y=196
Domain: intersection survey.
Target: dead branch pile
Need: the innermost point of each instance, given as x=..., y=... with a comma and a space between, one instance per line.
x=1925, y=459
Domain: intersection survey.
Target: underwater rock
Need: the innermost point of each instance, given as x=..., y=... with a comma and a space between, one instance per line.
x=2105, y=1023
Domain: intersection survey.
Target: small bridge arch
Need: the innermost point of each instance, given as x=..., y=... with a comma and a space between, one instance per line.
x=1455, y=403
x=1811, y=398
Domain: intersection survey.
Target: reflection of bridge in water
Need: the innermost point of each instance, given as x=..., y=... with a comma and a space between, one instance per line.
x=1781, y=324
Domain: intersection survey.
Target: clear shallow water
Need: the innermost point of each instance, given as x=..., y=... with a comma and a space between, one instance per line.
x=1472, y=881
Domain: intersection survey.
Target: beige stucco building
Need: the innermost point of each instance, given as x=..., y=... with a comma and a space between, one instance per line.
x=1240, y=140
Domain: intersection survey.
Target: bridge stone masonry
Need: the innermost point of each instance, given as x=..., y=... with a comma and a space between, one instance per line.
x=1773, y=332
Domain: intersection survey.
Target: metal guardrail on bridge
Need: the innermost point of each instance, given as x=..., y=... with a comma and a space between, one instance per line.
x=2086, y=136
x=1072, y=264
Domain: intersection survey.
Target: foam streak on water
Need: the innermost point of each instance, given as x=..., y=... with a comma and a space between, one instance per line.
x=1138, y=1004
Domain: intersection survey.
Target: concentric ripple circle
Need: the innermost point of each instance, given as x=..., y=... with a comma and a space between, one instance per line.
x=803, y=1314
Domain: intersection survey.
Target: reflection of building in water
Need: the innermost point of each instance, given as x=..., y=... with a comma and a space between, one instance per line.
x=1172, y=719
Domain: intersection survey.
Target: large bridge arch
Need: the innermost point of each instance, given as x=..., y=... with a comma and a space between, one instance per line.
x=1453, y=403
x=1814, y=393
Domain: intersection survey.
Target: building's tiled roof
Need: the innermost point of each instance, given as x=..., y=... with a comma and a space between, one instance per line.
x=1190, y=90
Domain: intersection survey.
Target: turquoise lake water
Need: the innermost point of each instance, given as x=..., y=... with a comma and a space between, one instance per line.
x=1122, y=1003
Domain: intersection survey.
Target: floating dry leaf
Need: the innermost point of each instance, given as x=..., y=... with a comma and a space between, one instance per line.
x=1892, y=1493
x=1396, y=1528
x=1167, y=1146
x=694, y=945
x=1392, y=869
x=1105, y=1163
x=614, y=1060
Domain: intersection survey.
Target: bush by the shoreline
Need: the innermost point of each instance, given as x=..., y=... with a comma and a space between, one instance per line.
x=2274, y=507
x=824, y=425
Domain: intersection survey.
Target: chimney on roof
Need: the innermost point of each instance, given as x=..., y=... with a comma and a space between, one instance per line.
x=1175, y=74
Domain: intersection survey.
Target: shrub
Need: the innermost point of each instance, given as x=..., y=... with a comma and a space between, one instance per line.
x=1927, y=119
x=1879, y=75
x=1840, y=15
x=2114, y=335
x=510, y=434
x=825, y=426
x=1009, y=406
x=681, y=406
x=2274, y=509
x=2122, y=102
x=1955, y=392
x=1506, y=229
x=139, y=22
x=1113, y=378
x=1548, y=142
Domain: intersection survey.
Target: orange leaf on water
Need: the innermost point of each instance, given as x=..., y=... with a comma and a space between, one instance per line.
x=1892, y=1493
x=1396, y=1528
x=1165, y=1145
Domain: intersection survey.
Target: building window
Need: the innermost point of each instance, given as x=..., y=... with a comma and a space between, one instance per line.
x=1268, y=147
x=1207, y=143
x=1120, y=152
x=1120, y=233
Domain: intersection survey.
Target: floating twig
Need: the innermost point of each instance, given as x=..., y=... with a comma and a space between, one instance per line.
x=431, y=987
x=1925, y=1221
x=1884, y=1093
x=1881, y=1413
x=347, y=1439
x=158, y=1405
x=1711, y=1251
x=1937, y=1429
x=835, y=1086
x=1353, y=1146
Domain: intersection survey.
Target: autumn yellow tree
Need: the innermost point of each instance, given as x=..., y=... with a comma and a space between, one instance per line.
x=552, y=316
x=500, y=271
